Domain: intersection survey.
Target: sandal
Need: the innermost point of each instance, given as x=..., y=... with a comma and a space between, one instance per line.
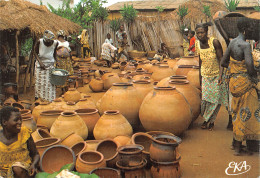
x=211, y=125
x=204, y=125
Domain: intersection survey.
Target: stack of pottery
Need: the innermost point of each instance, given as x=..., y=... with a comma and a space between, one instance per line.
x=162, y=72
x=96, y=85
x=193, y=76
x=164, y=156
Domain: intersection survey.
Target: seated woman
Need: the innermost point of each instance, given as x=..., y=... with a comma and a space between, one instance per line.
x=18, y=153
x=108, y=53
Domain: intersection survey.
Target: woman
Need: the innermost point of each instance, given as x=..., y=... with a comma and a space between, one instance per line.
x=108, y=53
x=213, y=90
x=119, y=35
x=245, y=105
x=186, y=42
x=85, y=49
x=18, y=153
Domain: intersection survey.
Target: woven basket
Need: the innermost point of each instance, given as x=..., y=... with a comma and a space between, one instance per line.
x=151, y=54
x=136, y=54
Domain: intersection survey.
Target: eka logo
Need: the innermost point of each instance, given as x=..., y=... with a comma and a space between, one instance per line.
x=237, y=168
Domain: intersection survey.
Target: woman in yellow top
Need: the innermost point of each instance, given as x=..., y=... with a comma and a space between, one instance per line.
x=214, y=92
x=18, y=153
x=85, y=49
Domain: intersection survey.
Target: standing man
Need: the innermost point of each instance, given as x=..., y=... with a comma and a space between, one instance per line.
x=46, y=56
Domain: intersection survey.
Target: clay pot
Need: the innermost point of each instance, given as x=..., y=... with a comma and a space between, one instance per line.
x=172, y=111
x=55, y=157
x=25, y=113
x=70, y=106
x=108, y=148
x=57, y=104
x=71, y=140
x=92, y=144
x=86, y=103
x=159, y=133
x=106, y=172
x=96, y=85
x=147, y=66
x=43, y=106
x=193, y=76
x=143, y=87
x=90, y=117
x=106, y=75
x=89, y=160
x=79, y=148
x=115, y=65
x=72, y=95
x=185, y=60
x=130, y=67
x=166, y=169
x=163, y=72
x=154, y=67
x=45, y=143
x=130, y=155
x=183, y=69
x=9, y=101
x=122, y=65
x=26, y=104
x=98, y=73
x=67, y=123
x=40, y=134
x=143, y=139
x=163, y=148
x=171, y=62
x=190, y=93
x=47, y=118
x=122, y=140
x=108, y=83
x=123, y=97
x=165, y=82
x=29, y=123
x=114, y=123
x=18, y=105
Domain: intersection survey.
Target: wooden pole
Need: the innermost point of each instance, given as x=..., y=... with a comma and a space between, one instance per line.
x=17, y=58
x=32, y=64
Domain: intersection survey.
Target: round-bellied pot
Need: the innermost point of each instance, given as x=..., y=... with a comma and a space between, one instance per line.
x=114, y=123
x=92, y=144
x=163, y=148
x=106, y=75
x=71, y=140
x=90, y=117
x=45, y=143
x=86, y=102
x=130, y=155
x=55, y=157
x=190, y=93
x=57, y=104
x=154, y=67
x=72, y=95
x=40, y=134
x=96, y=85
x=165, y=82
x=124, y=98
x=122, y=140
x=171, y=62
x=106, y=172
x=143, y=87
x=185, y=60
x=172, y=113
x=98, y=73
x=29, y=123
x=70, y=106
x=108, y=82
x=89, y=160
x=183, y=69
x=48, y=117
x=43, y=106
x=166, y=169
x=79, y=147
x=193, y=76
x=67, y=123
x=161, y=73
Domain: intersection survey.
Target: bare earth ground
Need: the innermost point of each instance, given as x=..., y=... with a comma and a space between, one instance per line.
x=204, y=154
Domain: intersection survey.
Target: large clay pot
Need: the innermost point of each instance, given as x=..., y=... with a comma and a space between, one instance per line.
x=47, y=118
x=90, y=117
x=89, y=160
x=106, y=75
x=166, y=169
x=55, y=157
x=143, y=87
x=185, y=60
x=70, y=106
x=190, y=93
x=45, y=143
x=161, y=73
x=106, y=172
x=57, y=104
x=154, y=67
x=147, y=66
x=193, y=76
x=43, y=106
x=114, y=123
x=108, y=83
x=99, y=73
x=67, y=123
x=86, y=103
x=71, y=140
x=172, y=113
x=122, y=140
x=92, y=144
x=40, y=134
x=171, y=62
x=72, y=95
x=183, y=69
x=96, y=85
x=165, y=82
x=29, y=123
x=79, y=148
x=123, y=97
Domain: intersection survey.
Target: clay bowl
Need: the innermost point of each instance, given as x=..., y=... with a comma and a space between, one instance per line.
x=105, y=172
x=55, y=157
x=45, y=143
x=79, y=147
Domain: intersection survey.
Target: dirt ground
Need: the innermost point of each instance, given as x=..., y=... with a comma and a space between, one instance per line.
x=204, y=154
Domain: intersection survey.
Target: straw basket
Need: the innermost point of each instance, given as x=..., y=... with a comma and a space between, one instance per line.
x=136, y=54
x=59, y=79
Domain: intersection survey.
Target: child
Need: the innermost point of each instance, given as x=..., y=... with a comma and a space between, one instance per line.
x=109, y=40
x=191, y=48
x=18, y=152
x=122, y=49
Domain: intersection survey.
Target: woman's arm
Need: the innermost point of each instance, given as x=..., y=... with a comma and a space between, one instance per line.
x=219, y=53
x=249, y=62
x=33, y=153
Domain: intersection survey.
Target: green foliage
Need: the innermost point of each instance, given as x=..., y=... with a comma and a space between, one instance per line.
x=182, y=27
x=257, y=8
x=129, y=13
x=231, y=5
x=41, y=2
x=115, y=24
x=206, y=11
x=26, y=47
x=182, y=11
x=100, y=13
x=160, y=8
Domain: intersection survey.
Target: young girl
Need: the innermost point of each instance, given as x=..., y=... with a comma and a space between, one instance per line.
x=18, y=153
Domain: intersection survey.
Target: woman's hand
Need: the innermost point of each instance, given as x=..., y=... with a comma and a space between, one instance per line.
x=32, y=169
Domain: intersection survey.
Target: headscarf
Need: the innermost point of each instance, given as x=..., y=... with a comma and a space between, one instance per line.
x=61, y=33
x=203, y=25
x=48, y=35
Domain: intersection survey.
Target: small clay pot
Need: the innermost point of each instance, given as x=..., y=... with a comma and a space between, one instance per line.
x=40, y=134
x=166, y=169
x=130, y=155
x=26, y=103
x=135, y=171
x=79, y=147
x=72, y=95
x=71, y=140
x=92, y=144
x=106, y=172
x=45, y=143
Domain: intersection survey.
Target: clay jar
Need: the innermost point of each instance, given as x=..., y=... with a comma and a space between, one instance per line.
x=154, y=67
x=98, y=73
x=96, y=85
x=163, y=148
x=43, y=106
x=47, y=118
x=29, y=123
x=183, y=69
x=57, y=104
x=45, y=143
x=171, y=62
x=193, y=76
x=89, y=160
x=86, y=102
x=122, y=140
x=130, y=67
x=114, y=123
x=130, y=155
x=67, y=123
x=163, y=72
x=79, y=148
x=25, y=113
x=70, y=106
x=108, y=83
x=185, y=60
x=165, y=109
x=71, y=140
x=72, y=95
x=90, y=117
x=92, y=144
x=122, y=65
x=143, y=87
x=40, y=134
x=26, y=104
x=190, y=93
x=105, y=76
x=124, y=98
x=165, y=82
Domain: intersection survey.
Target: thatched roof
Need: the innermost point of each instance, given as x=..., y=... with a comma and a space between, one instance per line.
x=20, y=14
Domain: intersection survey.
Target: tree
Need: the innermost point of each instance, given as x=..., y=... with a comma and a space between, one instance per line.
x=129, y=13
x=231, y=5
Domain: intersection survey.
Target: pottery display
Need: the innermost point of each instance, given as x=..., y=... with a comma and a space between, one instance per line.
x=162, y=72
x=122, y=140
x=40, y=134
x=124, y=98
x=165, y=109
x=55, y=157
x=106, y=172
x=48, y=117
x=89, y=160
x=183, y=69
x=193, y=76
x=90, y=117
x=67, y=123
x=166, y=169
x=96, y=85
x=29, y=123
x=190, y=93
x=71, y=140
x=114, y=123
x=43, y=106
x=185, y=60
x=143, y=87
x=165, y=82
x=108, y=82
x=72, y=95
x=130, y=155
x=45, y=143
x=79, y=147
x=92, y=144
x=86, y=103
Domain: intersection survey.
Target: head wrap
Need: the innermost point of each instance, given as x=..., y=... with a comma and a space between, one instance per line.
x=48, y=35
x=186, y=29
x=61, y=33
x=203, y=25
